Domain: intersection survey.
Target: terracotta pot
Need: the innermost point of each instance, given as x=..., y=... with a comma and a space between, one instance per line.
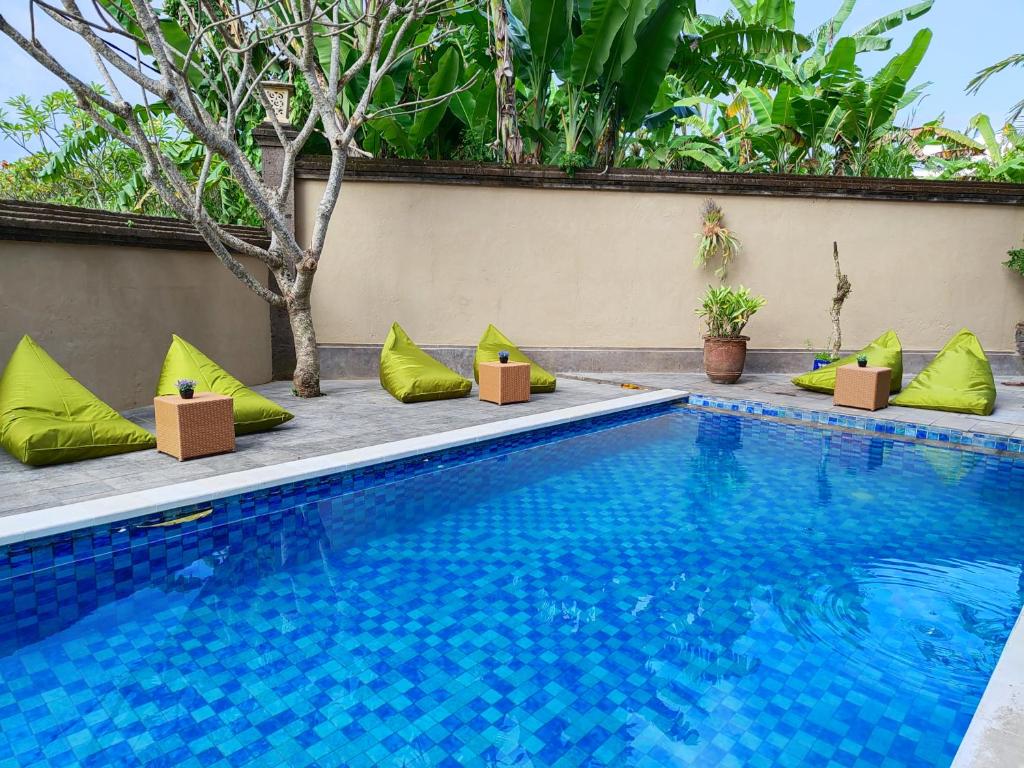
x=724, y=358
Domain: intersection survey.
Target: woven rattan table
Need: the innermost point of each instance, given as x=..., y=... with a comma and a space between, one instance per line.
x=504, y=383
x=866, y=387
x=201, y=426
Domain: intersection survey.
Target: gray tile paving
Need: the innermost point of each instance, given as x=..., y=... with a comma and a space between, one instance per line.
x=1007, y=419
x=357, y=413
x=353, y=414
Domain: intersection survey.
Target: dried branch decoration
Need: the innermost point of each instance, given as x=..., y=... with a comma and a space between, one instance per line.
x=843, y=289
x=716, y=240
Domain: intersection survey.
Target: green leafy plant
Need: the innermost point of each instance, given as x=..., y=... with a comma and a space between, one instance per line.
x=862, y=360
x=71, y=161
x=819, y=354
x=570, y=162
x=727, y=310
x=716, y=241
x=1016, y=260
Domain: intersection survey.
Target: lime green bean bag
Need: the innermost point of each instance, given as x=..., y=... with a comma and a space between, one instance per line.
x=885, y=352
x=959, y=379
x=253, y=412
x=46, y=417
x=493, y=342
x=413, y=376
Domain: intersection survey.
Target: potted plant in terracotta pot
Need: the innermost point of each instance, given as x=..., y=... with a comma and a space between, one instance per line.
x=726, y=310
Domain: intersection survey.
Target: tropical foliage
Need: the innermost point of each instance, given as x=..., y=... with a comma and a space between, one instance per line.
x=1016, y=260
x=1013, y=60
x=982, y=153
x=645, y=83
x=72, y=161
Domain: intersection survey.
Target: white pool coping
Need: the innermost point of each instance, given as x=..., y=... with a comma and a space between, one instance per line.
x=112, y=509
x=995, y=737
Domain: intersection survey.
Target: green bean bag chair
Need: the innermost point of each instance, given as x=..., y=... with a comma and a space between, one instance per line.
x=46, y=417
x=959, y=379
x=253, y=412
x=885, y=352
x=413, y=376
x=493, y=342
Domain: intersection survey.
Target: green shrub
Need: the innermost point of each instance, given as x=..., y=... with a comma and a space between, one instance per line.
x=1016, y=260
x=727, y=310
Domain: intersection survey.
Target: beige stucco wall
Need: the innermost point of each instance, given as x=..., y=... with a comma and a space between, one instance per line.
x=107, y=313
x=614, y=269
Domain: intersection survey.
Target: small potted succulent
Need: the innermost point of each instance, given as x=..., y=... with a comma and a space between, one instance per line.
x=862, y=361
x=186, y=388
x=726, y=311
x=503, y=356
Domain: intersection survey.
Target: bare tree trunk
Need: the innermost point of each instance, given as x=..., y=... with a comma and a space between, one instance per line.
x=843, y=289
x=306, y=379
x=510, y=141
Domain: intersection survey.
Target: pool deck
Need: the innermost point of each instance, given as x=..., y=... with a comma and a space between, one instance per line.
x=358, y=413
x=352, y=414
x=356, y=418
x=776, y=389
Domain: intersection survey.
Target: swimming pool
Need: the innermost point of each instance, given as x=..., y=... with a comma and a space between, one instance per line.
x=676, y=587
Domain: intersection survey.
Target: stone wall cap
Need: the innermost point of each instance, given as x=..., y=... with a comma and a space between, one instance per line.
x=645, y=180
x=45, y=222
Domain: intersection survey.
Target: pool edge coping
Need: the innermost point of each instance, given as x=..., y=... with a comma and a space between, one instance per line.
x=49, y=521
x=995, y=736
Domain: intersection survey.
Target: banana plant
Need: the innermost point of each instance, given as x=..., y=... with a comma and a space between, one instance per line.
x=871, y=106
x=834, y=125
x=870, y=37
x=546, y=26
x=991, y=156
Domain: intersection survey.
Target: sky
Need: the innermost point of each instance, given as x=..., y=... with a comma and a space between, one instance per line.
x=964, y=42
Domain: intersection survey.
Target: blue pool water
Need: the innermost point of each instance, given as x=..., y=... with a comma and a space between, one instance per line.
x=688, y=589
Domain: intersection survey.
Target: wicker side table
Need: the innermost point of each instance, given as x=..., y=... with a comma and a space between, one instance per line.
x=866, y=387
x=504, y=383
x=201, y=426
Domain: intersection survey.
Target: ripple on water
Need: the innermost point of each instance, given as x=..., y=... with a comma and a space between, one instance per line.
x=892, y=616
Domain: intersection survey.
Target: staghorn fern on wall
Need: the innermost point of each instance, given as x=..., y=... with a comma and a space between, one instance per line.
x=716, y=241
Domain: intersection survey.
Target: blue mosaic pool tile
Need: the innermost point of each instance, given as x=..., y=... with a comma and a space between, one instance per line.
x=1014, y=445
x=687, y=588
x=145, y=532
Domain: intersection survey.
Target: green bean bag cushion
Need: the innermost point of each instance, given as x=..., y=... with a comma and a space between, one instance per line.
x=46, y=417
x=959, y=379
x=413, y=376
x=493, y=342
x=253, y=412
x=885, y=352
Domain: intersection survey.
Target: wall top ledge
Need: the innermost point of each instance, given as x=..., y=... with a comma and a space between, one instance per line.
x=643, y=180
x=44, y=222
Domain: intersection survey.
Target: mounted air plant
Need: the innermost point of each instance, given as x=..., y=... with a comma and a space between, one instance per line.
x=716, y=240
